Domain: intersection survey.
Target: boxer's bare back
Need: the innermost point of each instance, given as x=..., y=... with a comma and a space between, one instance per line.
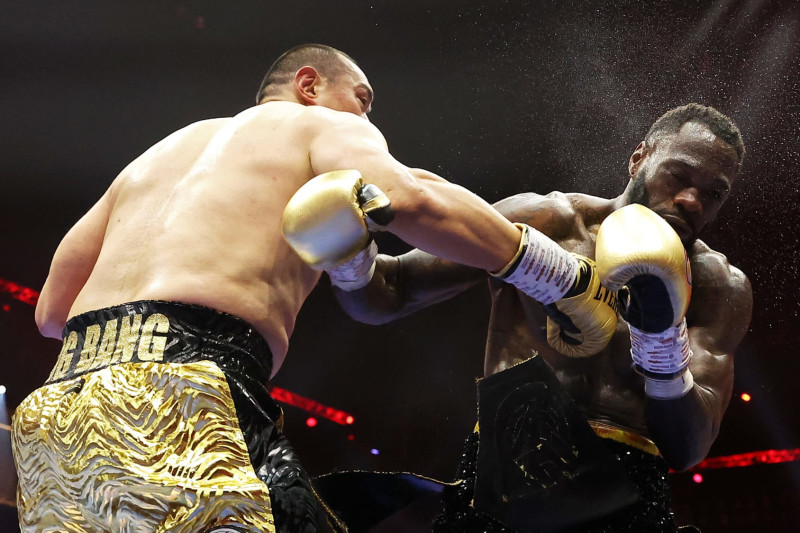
x=197, y=217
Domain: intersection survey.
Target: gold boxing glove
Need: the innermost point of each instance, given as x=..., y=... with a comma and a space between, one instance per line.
x=328, y=220
x=584, y=320
x=582, y=316
x=639, y=254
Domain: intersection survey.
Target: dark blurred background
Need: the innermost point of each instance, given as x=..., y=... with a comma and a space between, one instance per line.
x=501, y=96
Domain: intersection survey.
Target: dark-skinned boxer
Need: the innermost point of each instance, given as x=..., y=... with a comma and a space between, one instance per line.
x=582, y=440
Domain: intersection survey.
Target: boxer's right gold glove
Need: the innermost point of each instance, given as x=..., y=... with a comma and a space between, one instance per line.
x=328, y=220
x=642, y=257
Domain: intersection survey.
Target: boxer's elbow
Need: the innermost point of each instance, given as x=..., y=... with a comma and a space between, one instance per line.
x=686, y=449
x=372, y=318
x=49, y=323
x=51, y=328
x=367, y=310
x=683, y=459
x=683, y=428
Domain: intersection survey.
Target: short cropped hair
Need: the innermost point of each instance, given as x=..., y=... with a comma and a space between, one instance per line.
x=719, y=124
x=327, y=60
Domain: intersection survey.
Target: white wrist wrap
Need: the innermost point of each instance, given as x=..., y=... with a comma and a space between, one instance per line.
x=357, y=272
x=663, y=359
x=541, y=268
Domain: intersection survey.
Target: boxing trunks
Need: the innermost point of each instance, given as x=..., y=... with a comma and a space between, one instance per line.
x=536, y=465
x=157, y=417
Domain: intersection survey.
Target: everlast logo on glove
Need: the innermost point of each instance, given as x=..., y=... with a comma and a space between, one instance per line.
x=136, y=338
x=607, y=297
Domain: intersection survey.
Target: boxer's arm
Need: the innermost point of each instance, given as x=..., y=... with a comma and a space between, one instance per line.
x=719, y=315
x=430, y=213
x=404, y=284
x=72, y=263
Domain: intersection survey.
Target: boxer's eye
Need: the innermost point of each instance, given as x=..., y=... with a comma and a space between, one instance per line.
x=678, y=179
x=718, y=194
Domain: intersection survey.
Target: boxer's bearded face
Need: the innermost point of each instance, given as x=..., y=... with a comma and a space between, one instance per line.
x=685, y=178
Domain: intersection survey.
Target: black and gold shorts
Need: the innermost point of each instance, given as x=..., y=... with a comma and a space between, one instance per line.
x=155, y=418
x=536, y=464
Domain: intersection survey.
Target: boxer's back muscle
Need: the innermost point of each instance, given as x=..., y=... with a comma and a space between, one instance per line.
x=196, y=219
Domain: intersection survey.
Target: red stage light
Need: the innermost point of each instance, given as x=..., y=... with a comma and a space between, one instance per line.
x=311, y=421
x=697, y=478
x=749, y=459
x=6, y=308
x=351, y=437
x=746, y=397
x=312, y=406
x=23, y=294
x=349, y=419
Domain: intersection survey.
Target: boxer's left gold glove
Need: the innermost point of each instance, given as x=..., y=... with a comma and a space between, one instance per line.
x=328, y=220
x=583, y=321
x=582, y=315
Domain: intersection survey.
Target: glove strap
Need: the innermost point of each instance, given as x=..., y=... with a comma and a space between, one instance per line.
x=356, y=273
x=663, y=359
x=541, y=268
x=376, y=207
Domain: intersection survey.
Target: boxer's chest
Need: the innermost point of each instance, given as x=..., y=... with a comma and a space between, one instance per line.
x=604, y=385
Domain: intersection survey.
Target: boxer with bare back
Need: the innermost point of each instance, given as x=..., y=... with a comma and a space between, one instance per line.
x=176, y=295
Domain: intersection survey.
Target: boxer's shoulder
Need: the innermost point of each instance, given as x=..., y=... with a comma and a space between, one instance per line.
x=710, y=267
x=722, y=297
x=195, y=133
x=556, y=214
x=338, y=127
x=551, y=214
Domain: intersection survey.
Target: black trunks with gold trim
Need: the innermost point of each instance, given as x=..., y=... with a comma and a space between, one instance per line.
x=536, y=465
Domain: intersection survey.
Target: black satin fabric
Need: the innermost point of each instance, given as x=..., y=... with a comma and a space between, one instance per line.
x=536, y=466
x=198, y=333
x=651, y=514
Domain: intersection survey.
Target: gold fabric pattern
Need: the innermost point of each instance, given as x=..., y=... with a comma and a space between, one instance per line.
x=136, y=447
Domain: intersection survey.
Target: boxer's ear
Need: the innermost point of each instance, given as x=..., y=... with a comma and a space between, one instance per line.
x=307, y=82
x=637, y=157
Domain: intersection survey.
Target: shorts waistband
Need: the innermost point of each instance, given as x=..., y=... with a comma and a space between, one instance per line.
x=633, y=440
x=162, y=332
